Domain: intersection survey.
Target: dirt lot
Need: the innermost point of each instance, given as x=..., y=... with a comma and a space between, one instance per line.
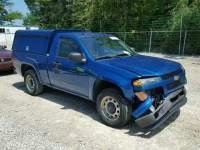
x=57, y=120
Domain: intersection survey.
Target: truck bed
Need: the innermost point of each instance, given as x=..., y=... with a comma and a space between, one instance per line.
x=38, y=62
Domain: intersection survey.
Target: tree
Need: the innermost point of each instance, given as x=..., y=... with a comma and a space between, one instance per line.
x=50, y=14
x=114, y=15
x=120, y=16
x=30, y=20
x=6, y=15
x=190, y=9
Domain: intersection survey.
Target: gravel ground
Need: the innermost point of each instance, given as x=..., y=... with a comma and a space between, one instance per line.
x=57, y=120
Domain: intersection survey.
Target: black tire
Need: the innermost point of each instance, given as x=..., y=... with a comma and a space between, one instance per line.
x=120, y=104
x=30, y=77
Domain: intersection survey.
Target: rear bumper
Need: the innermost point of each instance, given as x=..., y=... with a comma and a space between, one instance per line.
x=171, y=104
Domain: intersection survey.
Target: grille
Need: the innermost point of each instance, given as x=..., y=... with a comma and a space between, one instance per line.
x=4, y=60
x=175, y=83
x=155, y=91
x=170, y=75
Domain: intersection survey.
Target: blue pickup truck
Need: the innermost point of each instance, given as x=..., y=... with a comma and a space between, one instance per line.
x=101, y=68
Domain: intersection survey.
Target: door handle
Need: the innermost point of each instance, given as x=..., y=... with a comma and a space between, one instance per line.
x=57, y=64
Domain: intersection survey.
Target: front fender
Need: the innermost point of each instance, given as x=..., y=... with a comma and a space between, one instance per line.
x=114, y=75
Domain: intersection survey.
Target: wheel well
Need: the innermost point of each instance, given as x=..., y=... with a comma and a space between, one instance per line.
x=25, y=68
x=100, y=85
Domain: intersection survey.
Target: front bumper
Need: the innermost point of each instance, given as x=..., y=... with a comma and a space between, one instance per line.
x=171, y=104
x=6, y=66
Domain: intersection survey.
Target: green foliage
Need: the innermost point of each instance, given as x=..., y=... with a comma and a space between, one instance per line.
x=13, y=15
x=113, y=15
x=5, y=15
x=120, y=15
x=30, y=20
x=49, y=14
x=191, y=15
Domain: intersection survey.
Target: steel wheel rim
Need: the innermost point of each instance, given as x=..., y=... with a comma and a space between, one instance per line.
x=30, y=83
x=110, y=108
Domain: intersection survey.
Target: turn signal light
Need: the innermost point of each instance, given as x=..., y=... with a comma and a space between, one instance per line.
x=137, y=83
x=141, y=95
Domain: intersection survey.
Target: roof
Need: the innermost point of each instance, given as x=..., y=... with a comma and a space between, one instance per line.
x=89, y=34
x=33, y=32
x=52, y=33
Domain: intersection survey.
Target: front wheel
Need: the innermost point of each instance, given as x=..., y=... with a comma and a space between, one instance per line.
x=33, y=86
x=112, y=108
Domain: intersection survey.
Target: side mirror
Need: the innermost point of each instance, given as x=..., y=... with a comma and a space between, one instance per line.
x=77, y=58
x=4, y=46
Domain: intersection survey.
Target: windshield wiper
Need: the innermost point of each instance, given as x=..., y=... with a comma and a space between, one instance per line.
x=105, y=57
x=120, y=55
x=116, y=56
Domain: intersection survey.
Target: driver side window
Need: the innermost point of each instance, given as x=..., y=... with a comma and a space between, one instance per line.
x=67, y=46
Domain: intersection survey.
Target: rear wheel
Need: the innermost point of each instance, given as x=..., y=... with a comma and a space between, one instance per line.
x=113, y=108
x=33, y=86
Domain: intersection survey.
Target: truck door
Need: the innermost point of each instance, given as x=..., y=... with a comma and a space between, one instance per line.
x=64, y=74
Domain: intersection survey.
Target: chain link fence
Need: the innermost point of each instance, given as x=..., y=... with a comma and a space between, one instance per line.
x=167, y=42
x=156, y=39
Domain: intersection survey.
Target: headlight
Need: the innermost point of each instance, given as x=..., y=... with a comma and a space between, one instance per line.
x=144, y=82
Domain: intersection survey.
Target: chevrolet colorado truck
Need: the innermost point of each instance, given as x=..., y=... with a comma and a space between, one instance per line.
x=101, y=68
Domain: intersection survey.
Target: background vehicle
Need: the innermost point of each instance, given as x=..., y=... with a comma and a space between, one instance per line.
x=6, y=59
x=101, y=68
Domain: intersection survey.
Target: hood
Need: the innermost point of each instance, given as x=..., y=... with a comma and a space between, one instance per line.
x=5, y=53
x=144, y=65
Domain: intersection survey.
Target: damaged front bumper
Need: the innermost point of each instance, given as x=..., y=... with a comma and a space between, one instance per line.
x=157, y=116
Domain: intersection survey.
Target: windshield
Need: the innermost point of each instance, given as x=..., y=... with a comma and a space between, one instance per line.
x=1, y=48
x=107, y=47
